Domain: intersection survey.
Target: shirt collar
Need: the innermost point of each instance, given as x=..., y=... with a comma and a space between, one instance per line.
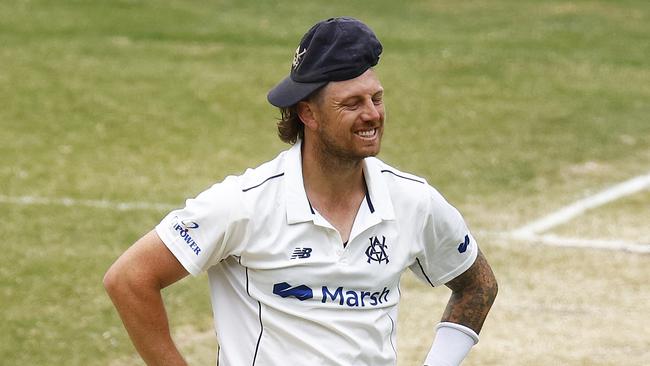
x=297, y=205
x=378, y=189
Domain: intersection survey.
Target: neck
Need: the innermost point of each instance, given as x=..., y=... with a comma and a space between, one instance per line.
x=331, y=178
x=335, y=187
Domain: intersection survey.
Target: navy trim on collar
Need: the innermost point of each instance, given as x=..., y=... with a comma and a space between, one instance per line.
x=368, y=200
x=401, y=176
x=264, y=181
x=311, y=208
x=298, y=207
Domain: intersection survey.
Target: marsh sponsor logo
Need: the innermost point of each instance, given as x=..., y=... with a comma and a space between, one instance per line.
x=340, y=295
x=353, y=298
x=301, y=292
x=182, y=230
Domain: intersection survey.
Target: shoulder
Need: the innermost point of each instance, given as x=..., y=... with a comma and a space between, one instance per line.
x=407, y=190
x=256, y=179
x=233, y=189
x=398, y=181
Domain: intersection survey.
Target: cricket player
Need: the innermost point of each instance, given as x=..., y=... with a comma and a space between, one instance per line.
x=304, y=253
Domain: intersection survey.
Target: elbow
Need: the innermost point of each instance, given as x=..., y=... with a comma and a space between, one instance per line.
x=109, y=281
x=492, y=289
x=112, y=281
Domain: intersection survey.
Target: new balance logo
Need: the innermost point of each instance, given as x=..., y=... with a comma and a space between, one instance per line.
x=462, y=247
x=301, y=292
x=301, y=253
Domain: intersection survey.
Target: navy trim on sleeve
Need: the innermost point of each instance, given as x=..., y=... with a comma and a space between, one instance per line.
x=265, y=180
x=424, y=273
x=401, y=176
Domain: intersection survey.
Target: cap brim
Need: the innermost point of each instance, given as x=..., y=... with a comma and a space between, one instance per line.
x=289, y=92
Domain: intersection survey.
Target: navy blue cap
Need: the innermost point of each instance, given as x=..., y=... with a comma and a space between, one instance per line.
x=335, y=49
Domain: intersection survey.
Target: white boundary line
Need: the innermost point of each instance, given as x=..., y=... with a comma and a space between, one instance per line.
x=528, y=236
x=533, y=230
x=72, y=202
x=567, y=242
x=577, y=208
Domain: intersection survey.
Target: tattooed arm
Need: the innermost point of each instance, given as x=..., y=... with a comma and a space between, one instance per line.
x=473, y=293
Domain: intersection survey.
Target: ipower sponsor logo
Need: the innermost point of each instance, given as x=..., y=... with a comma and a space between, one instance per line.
x=189, y=224
x=182, y=231
x=340, y=295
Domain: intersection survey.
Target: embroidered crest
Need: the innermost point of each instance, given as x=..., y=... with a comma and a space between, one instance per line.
x=377, y=250
x=297, y=57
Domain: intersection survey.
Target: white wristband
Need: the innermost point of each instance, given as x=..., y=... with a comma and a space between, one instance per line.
x=451, y=345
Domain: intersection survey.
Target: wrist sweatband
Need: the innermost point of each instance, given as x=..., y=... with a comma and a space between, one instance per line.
x=451, y=344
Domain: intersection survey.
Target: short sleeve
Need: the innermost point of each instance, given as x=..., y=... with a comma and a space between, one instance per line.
x=208, y=229
x=447, y=247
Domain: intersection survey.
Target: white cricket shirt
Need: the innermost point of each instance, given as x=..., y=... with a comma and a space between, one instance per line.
x=284, y=289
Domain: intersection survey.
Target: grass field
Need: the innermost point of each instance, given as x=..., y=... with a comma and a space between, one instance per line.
x=512, y=109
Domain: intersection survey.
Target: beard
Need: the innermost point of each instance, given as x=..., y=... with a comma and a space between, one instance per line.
x=335, y=151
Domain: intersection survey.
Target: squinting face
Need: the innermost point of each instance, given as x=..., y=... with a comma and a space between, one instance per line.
x=350, y=116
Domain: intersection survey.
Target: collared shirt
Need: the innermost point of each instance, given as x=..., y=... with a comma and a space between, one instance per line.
x=284, y=288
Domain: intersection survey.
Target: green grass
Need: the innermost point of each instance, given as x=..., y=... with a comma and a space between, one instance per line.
x=499, y=104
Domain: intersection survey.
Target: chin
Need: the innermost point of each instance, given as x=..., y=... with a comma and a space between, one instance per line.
x=370, y=151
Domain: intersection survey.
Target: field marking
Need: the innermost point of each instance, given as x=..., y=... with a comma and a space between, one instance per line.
x=568, y=242
x=551, y=240
x=72, y=202
x=579, y=207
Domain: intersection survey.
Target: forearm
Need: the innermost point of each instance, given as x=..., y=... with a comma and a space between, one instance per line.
x=472, y=296
x=473, y=293
x=134, y=283
x=145, y=319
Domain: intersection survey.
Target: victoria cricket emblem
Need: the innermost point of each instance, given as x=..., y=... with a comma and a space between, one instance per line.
x=297, y=57
x=377, y=250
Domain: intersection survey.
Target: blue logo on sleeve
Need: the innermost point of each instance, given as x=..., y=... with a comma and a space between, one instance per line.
x=462, y=247
x=182, y=231
x=189, y=224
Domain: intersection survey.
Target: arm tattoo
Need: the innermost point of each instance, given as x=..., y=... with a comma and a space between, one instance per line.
x=473, y=293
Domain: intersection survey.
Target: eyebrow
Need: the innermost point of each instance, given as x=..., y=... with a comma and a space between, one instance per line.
x=355, y=97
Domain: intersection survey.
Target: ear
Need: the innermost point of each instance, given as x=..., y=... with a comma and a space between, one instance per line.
x=308, y=113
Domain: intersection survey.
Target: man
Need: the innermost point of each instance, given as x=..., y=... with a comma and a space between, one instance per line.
x=304, y=253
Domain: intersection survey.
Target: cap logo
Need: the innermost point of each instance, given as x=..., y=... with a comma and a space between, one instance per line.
x=297, y=57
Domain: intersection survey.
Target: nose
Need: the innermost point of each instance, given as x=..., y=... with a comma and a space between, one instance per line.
x=371, y=111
